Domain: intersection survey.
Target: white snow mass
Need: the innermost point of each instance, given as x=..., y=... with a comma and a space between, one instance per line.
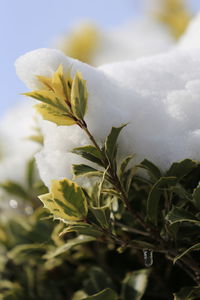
x=158, y=96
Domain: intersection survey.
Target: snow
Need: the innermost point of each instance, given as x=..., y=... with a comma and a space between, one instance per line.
x=191, y=39
x=129, y=41
x=158, y=96
x=16, y=150
x=144, y=37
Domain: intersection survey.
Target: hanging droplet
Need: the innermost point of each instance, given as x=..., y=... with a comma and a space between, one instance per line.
x=148, y=257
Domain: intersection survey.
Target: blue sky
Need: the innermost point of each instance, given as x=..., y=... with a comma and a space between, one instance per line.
x=32, y=24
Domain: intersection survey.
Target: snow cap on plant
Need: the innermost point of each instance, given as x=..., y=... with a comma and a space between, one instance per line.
x=156, y=95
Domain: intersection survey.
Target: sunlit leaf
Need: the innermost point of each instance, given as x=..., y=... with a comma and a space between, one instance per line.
x=54, y=115
x=66, y=201
x=79, y=96
x=134, y=285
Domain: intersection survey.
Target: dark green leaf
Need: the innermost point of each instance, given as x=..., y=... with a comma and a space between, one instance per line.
x=84, y=170
x=111, y=142
x=90, y=153
x=196, y=197
x=193, y=248
x=155, y=195
x=152, y=169
x=14, y=188
x=182, y=168
x=97, y=281
x=179, y=215
x=188, y=293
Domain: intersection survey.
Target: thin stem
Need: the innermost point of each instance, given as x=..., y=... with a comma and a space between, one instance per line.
x=91, y=138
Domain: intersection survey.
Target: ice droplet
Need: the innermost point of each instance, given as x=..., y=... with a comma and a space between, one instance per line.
x=148, y=257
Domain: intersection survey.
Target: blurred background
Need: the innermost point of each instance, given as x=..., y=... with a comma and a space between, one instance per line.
x=28, y=25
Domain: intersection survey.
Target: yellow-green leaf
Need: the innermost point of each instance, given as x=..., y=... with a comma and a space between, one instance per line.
x=60, y=84
x=49, y=97
x=54, y=115
x=66, y=201
x=46, y=81
x=79, y=96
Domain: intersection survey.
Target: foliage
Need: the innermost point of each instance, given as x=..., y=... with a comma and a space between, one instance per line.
x=129, y=235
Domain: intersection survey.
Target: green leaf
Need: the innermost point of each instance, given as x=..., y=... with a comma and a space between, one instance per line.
x=182, y=168
x=14, y=188
x=30, y=171
x=182, y=193
x=155, y=195
x=82, y=229
x=84, y=170
x=102, y=214
x=81, y=239
x=26, y=251
x=90, y=153
x=135, y=284
x=79, y=96
x=10, y=290
x=193, y=248
x=66, y=201
x=188, y=293
x=97, y=281
x=124, y=165
x=196, y=197
x=129, y=178
x=106, y=294
x=111, y=141
x=152, y=169
x=179, y=215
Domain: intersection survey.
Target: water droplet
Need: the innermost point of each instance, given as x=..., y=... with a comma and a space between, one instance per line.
x=148, y=257
x=13, y=203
